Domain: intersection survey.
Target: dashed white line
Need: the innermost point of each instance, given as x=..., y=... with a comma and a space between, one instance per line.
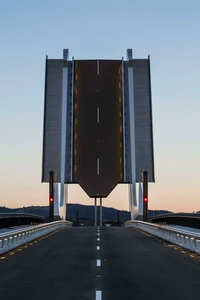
x=98, y=239
x=98, y=263
x=97, y=67
x=98, y=295
x=98, y=233
x=97, y=114
x=97, y=166
x=98, y=248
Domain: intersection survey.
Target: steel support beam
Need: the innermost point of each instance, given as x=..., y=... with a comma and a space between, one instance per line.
x=62, y=204
x=134, y=207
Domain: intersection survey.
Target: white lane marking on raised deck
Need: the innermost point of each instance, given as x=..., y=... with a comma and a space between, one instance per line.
x=97, y=166
x=97, y=114
x=97, y=67
x=98, y=263
x=98, y=295
x=98, y=248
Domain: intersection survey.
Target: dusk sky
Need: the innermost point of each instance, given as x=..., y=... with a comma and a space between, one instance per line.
x=168, y=31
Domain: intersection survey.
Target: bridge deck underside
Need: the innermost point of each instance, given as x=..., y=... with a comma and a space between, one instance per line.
x=133, y=266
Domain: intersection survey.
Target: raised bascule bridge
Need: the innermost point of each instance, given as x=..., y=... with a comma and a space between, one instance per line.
x=97, y=127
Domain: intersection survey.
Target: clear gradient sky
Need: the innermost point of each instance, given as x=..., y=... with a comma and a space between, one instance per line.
x=167, y=30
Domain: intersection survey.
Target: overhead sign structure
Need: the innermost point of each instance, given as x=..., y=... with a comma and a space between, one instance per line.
x=98, y=124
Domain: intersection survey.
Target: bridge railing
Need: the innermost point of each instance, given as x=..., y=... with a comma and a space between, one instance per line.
x=16, y=238
x=183, y=238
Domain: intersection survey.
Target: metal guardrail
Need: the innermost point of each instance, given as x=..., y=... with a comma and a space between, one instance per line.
x=16, y=238
x=183, y=238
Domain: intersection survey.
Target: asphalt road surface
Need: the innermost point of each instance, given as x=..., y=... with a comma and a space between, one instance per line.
x=124, y=264
x=98, y=132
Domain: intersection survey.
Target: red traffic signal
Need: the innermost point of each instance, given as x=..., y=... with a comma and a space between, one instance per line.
x=51, y=199
x=145, y=199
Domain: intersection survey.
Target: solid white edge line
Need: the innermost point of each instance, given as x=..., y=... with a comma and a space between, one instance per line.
x=98, y=295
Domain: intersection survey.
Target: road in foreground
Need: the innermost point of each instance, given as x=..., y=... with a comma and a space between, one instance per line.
x=109, y=264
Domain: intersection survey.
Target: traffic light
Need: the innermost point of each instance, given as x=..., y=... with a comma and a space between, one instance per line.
x=145, y=196
x=51, y=196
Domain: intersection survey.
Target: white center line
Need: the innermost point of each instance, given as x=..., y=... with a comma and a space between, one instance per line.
x=98, y=295
x=97, y=114
x=97, y=67
x=98, y=248
x=97, y=166
x=98, y=263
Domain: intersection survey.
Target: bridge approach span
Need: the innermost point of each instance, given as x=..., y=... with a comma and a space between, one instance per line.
x=112, y=263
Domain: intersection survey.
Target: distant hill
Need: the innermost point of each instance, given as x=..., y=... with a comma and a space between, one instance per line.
x=86, y=212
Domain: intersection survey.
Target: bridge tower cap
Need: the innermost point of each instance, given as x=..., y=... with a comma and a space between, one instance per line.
x=65, y=54
x=129, y=54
